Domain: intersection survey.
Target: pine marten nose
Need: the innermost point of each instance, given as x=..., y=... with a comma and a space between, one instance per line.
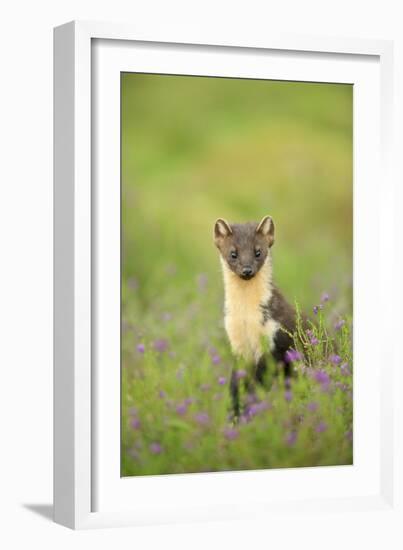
x=247, y=271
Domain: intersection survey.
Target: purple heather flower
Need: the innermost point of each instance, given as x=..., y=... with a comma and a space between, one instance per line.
x=250, y=398
x=293, y=355
x=288, y=395
x=312, y=338
x=216, y=359
x=252, y=410
x=312, y=406
x=202, y=418
x=212, y=351
x=291, y=439
x=231, y=434
x=335, y=359
x=321, y=427
x=222, y=380
x=141, y=348
x=240, y=373
x=205, y=387
x=161, y=394
x=134, y=454
x=181, y=408
x=244, y=419
x=317, y=308
x=325, y=297
x=161, y=345
x=349, y=435
x=155, y=448
x=188, y=401
x=135, y=423
x=322, y=377
x=257, y=408
x=344, y=369
x=339, y=324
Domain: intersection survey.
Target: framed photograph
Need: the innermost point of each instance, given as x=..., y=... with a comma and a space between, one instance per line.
x=222, y=222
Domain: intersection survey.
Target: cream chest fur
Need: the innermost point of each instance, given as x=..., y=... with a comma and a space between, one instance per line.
x=243, y=313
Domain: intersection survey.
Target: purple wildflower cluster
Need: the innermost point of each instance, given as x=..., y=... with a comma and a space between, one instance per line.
x=312, y=338
x=141, y=348
x=231, y=433
x=323, y=379
x=156, y=448
x=339, y=324
x=323, y=299
x=202, y=418
x=254, y=409
x=196, y=417
x=214, y=355
x=293, y=355
x=335, y=359
x=134, y=420
x=341, y=386
x=161, y=345
x=344, y=369
x=291, y=438
x=288, y=395
x=135, y=423
x=321, y=427
x=181, y=408
x=317, y=308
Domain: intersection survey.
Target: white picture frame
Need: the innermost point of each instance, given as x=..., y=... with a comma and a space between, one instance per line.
x=88, y=491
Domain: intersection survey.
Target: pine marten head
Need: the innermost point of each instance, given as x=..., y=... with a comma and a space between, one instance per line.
x=244, y=247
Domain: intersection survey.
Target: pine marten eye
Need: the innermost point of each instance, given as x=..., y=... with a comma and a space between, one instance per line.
x=257, y=253
x=234, y=254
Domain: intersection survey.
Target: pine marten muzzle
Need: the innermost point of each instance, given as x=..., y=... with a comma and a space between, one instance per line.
x=255, y=310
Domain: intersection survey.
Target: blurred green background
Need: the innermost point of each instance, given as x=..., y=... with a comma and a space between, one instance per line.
x=195, y=149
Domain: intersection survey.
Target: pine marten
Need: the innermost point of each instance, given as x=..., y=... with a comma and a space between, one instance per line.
x=254, y=308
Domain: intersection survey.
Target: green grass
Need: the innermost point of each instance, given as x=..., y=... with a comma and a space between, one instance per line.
x=194, y=149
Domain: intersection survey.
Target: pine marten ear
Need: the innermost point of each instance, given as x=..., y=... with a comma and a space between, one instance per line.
x=266, y=228
x=221, y=230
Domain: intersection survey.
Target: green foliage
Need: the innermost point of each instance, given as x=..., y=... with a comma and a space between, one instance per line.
x=194, y=149
x=179, y=397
